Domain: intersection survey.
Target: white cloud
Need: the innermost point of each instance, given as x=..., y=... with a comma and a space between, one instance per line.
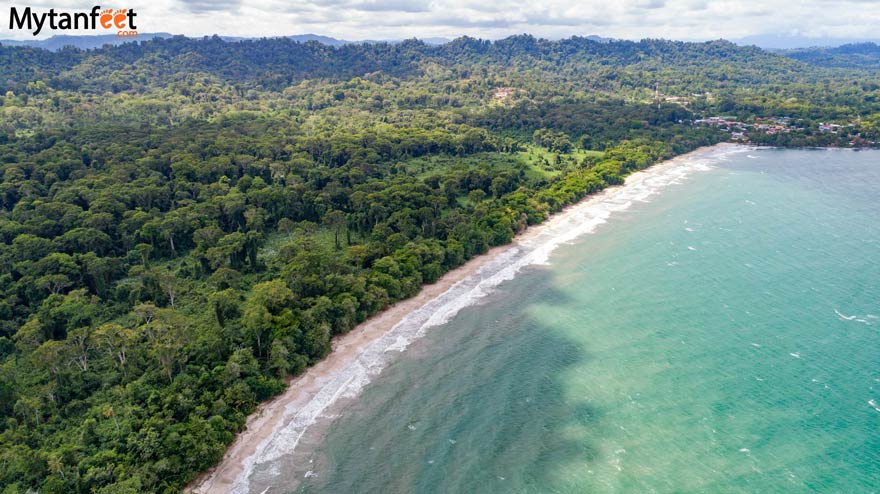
x=398, y=19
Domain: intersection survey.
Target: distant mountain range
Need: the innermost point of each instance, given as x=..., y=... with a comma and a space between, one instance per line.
x=788, y=42
x=86, y=42
x=768, y=41
x=58, y=42
x=853, y=56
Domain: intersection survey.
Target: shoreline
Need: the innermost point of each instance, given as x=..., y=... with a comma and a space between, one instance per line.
x=328, y=378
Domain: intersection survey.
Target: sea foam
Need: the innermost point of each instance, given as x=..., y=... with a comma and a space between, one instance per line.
x=534, y=248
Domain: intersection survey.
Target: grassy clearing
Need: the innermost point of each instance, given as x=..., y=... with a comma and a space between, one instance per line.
x=550, y=163
x=539, y=163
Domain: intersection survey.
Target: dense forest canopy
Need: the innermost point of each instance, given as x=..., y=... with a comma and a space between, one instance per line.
x=185, y=223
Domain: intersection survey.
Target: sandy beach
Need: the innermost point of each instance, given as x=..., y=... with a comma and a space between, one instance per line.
x=322, y=382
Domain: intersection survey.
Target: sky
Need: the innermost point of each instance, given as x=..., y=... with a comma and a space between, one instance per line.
x=553, y=19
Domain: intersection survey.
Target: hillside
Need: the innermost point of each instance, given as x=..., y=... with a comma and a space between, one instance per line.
x=279, y=62
x=862, y=56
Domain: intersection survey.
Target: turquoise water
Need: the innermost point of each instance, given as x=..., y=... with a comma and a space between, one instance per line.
x=721, y=338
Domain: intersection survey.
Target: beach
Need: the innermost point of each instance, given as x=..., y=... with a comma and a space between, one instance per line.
x=277, y=426
x=271, y=414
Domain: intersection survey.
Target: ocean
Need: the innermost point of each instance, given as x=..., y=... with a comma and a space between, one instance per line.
x=711, y=327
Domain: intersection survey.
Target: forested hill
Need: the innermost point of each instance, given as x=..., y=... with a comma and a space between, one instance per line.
x=185, y=223
x=278, y=62
x=863, y=56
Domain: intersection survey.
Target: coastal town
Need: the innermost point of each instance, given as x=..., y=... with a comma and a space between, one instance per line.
x=775, y=126
x=777, y=129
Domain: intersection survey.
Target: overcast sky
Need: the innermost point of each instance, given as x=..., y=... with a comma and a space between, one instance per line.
x=397, y=19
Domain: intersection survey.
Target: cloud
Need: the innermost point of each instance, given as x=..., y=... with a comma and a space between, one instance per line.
x=460, y=22
x=399, y=19
x=650, y=4
x=392, y=6
x=210, y=5
x=697, y=5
